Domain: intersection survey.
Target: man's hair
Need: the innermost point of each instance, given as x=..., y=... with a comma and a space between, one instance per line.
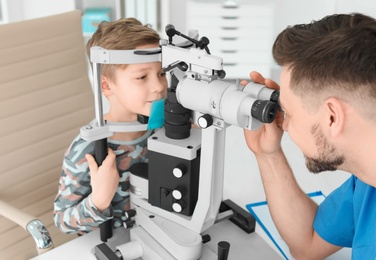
x=335, y=56
x=122, y=34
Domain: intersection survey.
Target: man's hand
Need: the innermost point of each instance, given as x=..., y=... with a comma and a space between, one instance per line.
x=267, y=139
x=104, y=180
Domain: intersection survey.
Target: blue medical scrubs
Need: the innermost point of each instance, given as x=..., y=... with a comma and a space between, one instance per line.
x=347, y=218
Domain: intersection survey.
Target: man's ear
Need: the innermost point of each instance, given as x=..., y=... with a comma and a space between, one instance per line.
x=106, y=86
x=334, y=116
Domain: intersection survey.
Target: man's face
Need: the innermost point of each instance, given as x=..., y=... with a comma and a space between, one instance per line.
x=328, y=158
x=305, y=129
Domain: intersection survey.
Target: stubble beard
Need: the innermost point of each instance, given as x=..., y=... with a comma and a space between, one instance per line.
x=328, y=159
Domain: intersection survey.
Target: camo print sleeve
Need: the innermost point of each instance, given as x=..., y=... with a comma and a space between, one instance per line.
x=74, y=211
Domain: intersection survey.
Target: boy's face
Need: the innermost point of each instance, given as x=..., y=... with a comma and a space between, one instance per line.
x=134, y=89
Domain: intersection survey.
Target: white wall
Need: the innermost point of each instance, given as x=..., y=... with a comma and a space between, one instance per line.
x=17, y=10
x=39, y=8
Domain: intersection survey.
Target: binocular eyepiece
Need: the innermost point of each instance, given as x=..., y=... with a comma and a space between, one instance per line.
x=244, y=106
x=264, y=111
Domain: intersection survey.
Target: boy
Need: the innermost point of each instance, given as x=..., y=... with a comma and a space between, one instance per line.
x=89, y=195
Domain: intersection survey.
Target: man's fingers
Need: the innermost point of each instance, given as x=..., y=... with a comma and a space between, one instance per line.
x=257, y=77
x=243, y=82
x=271, y=84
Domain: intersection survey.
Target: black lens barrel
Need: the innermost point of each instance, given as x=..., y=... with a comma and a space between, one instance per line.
x=264, y=110
x=177, y=118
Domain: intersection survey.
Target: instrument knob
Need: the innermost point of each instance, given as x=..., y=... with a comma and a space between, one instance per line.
x=178, y=206
x=223, y=250
x=178, y=193
x=179, y=170
x=205, y=121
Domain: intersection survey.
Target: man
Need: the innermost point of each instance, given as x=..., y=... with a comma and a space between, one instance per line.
x=328, y=98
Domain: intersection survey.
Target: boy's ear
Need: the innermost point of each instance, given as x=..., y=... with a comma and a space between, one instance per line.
x=106, y=89
x=334, y=116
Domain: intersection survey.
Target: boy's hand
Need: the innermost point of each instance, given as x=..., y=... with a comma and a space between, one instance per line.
x=104, y=180
x=267, y=139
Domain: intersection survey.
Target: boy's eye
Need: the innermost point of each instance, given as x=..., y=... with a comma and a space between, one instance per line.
x=142, y=77
x=163, y=74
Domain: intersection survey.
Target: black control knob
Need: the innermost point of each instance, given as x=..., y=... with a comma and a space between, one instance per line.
x=130, y=213
x=129, y=223
x=206, y=238
x=223, y=250
x=178, y=206
x=178, y=193
x=179, y=170
x=205, y=121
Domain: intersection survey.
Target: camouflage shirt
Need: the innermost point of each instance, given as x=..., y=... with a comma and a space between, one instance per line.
x=74, y=211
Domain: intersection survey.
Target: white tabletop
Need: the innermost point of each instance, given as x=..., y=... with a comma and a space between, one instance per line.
x=243, y=246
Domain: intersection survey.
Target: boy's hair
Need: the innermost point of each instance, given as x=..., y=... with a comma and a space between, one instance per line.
x=335, y=56
x=122, y=34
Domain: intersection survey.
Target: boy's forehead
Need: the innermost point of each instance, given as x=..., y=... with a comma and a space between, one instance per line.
x=141, y=67
x=147, y=46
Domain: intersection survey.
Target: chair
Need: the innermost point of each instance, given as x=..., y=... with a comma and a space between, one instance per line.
x=45, y=98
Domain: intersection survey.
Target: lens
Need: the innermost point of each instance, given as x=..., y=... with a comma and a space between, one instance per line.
x=177, y=118
x=274, y=97
x=264, y=111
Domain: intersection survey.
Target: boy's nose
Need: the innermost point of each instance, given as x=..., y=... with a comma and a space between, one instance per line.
x=159, y=85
